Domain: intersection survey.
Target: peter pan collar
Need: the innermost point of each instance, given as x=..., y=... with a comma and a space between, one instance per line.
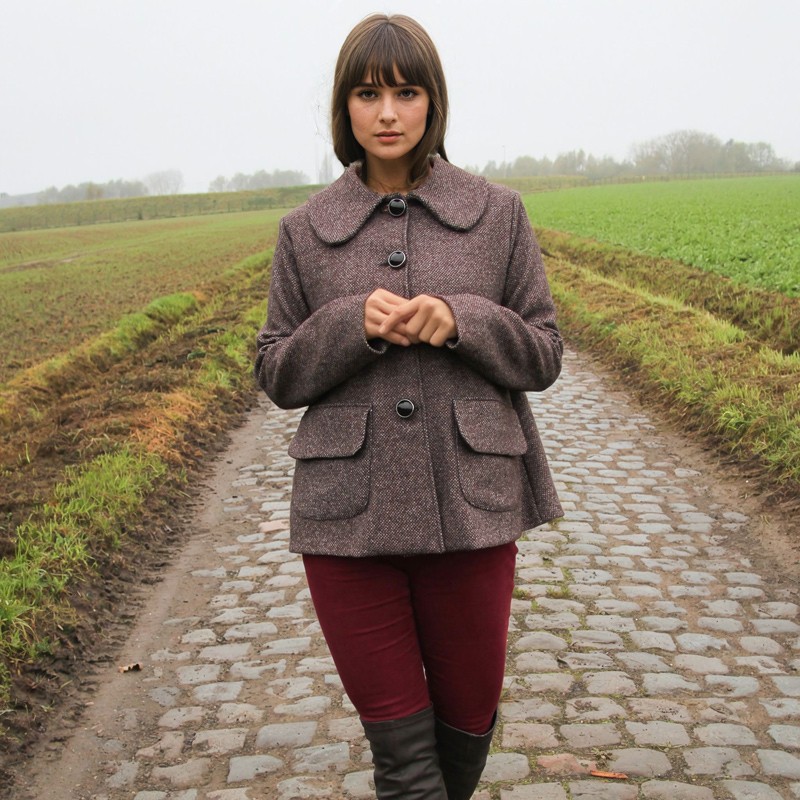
x=455, y=197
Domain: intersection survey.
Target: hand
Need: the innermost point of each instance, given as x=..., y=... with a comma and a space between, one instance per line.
x=421, y=319
x=377, y=308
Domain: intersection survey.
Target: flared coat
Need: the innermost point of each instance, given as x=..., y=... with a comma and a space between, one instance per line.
x=419, y=449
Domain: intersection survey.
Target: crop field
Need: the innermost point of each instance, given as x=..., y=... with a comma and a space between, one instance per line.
x=691, y=290
x=59, y=287
x=747, y=229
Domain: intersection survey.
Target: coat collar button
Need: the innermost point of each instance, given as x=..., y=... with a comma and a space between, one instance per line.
x=397, y=206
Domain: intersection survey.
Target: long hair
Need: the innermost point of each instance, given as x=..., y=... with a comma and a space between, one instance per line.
x=377, y=47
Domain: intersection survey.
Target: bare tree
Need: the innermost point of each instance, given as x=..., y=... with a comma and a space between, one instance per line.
x=167, y=181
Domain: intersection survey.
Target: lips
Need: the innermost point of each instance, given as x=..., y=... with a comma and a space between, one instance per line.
x=388, y=136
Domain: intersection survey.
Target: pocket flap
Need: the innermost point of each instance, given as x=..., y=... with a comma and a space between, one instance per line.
x=330, y=432
x=489, y=426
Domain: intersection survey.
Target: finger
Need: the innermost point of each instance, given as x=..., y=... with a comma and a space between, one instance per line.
x=400, y=314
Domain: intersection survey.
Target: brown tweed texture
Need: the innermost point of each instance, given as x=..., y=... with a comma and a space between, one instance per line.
x=466, y=469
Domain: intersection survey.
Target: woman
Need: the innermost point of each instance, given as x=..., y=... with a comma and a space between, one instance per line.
x=410, y=312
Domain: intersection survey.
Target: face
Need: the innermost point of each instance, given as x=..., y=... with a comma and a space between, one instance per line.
x=388, y=121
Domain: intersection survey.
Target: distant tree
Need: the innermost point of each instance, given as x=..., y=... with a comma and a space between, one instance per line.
x=219, y=184
x=258, y=180
x=167, y=181
x=693, y=152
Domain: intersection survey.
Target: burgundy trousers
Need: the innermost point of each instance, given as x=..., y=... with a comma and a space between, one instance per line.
x=408, y=632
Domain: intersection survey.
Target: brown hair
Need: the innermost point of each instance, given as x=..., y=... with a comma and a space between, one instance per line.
x=375, y=47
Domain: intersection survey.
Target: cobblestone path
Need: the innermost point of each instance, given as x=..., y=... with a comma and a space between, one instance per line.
x=643, y=641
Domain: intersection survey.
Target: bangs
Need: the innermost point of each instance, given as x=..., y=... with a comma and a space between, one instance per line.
x=384, y=55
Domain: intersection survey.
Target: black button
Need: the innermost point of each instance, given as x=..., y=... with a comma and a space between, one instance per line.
x=404, y=408
x=397, y=259
x=397, y=206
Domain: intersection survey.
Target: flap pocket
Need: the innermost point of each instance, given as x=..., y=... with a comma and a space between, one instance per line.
x=489, y=426
x=330, y=432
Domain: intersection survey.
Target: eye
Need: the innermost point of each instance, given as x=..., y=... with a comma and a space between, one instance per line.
x=407, y=94
x=367, y=94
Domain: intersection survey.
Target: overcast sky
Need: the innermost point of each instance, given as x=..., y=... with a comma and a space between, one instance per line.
x=105, y=89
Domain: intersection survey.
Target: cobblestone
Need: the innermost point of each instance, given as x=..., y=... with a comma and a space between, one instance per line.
x=655, y=647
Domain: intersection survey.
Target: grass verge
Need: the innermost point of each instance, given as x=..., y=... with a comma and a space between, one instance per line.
x=152, y=411
x=706, y=371
x=770, y=317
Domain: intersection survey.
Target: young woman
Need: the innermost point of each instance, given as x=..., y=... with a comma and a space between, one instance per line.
x=409, y=310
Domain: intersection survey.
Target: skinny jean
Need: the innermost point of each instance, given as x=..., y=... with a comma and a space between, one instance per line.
x=408, y=632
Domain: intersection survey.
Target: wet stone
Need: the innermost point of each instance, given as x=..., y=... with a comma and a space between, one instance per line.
x=245, y=768
x=590, y=735
x=643, y=662
x=289, y=734
x=750, y=790
x=322, y=758
x=703, y=665
x=647, y=708
x=506, y=767
x=220, y=741
x=535, y=791
x=760, y=645
x=733, y=685
x=721, y=734
x=785, y=735
x=779, y=762
x=652, y=640
x=639, y=762
x=660, y=734
x=593, y=708
x=528, y=735
x=700, y=642
x=565, y=764
x=218, y=692
x=787, y=684
x=616, y=683
x=667, y=683
x=718, y=761
x=674, y=790
x=182, y=776
x=594, y=790
x=178, y=717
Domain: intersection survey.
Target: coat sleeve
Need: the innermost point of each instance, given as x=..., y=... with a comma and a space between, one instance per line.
x=515, y=344
x=302, y=355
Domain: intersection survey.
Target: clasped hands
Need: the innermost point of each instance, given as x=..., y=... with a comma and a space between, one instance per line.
x=405, y=322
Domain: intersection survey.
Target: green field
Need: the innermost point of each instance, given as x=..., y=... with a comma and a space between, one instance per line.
x=62, y=286
x=747, y=229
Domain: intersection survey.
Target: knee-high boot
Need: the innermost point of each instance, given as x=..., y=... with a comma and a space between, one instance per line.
x=462, y=757
x=405, y=759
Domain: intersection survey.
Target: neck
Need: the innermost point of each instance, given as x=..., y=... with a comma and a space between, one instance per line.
x=388, y=177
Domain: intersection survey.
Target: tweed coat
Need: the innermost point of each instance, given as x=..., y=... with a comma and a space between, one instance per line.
x=461, y=466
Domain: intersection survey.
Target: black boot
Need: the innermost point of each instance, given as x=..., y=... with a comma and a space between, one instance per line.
x=404, y=755
x=462, y=757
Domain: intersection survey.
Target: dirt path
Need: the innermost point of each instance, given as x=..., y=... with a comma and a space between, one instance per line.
x=655, y=633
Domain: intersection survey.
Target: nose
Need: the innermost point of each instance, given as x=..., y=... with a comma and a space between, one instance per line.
x=387, y=110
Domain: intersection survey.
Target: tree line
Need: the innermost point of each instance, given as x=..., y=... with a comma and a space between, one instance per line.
x=683, y=152
x=168, y=181
x=258, y=180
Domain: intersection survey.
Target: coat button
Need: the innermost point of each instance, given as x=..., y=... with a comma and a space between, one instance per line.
x=397, y=259
x=397, y=206
x=404, y=408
